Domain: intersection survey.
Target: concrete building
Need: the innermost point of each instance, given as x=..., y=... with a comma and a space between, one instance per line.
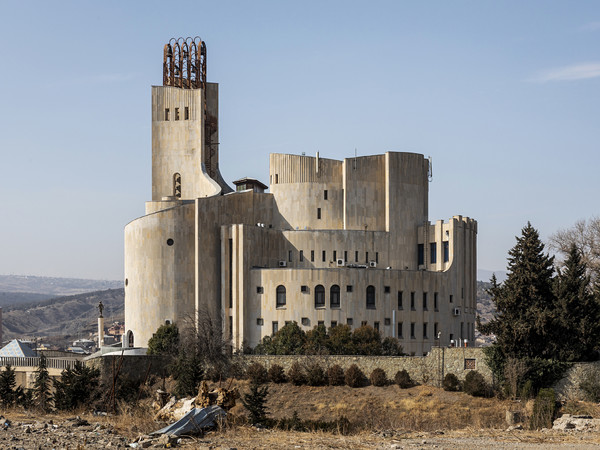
x=333, y=242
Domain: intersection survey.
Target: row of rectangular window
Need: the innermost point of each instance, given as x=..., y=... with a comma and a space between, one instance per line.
x=186, y=113
x=432, y=253
x=324, y=256
x=425, y=296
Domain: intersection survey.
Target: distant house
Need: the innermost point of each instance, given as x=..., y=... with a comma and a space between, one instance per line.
x=18, y=349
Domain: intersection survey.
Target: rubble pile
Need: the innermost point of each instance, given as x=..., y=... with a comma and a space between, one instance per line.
x=576, y=423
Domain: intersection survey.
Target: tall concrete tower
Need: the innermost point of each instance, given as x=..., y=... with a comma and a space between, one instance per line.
x=185, y=126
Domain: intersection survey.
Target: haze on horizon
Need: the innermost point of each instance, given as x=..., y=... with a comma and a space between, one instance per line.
x=503, y=97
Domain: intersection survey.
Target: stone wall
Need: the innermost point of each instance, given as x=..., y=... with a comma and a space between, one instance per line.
x=133, y=367
x=568, y=387
x=429, y=369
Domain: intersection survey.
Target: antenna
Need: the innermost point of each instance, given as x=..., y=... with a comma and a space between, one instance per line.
x=430, y=169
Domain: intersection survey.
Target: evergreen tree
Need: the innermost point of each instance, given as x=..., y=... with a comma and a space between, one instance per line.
x=526, y=308
x=187, y=372
x=579, y=318
x=165, y=341
x=340, y=340
x=41, y=388
x=316, y=341
x=255, y=401
x=7, y=386
x=289, y=340
x=77, y=385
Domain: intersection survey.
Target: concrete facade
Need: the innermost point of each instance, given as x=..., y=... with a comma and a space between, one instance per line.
x=333, y=242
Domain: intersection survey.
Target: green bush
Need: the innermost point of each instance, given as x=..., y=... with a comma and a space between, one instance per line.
x=165, y=341
x=378, y=377
x=315, y=376
x=451, y=383
x=257, y=373
x=544, y=409
x=526, y=390
x=476, y=385
x=276, y=374
x=390, y=346
x=335, y=376
x=402, y=379
x=77, y=386
x=255, y=401
x=296, y=374
x=354, y=376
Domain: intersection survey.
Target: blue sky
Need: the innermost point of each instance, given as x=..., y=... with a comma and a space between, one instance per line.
x=504, y=96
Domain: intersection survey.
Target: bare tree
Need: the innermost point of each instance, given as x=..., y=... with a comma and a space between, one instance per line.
x=585, y=234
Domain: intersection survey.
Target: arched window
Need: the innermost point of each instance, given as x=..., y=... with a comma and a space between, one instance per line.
x=370, y=297
x=280, y=296
x=334, y=296
x=177, y=185
x=130, y=339
x=319, y=296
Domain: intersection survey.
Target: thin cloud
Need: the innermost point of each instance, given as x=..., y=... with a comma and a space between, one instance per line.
x=569, y=73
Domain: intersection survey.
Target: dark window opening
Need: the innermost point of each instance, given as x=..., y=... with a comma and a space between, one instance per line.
x=345, y=256
x=446, y=252
x=303, y=288
x=400, y=300
x=377, y=257
x=425, y=301
x=387, y=321
x=412, y=330
x=370, y=297
x=349, y=321
x=363, y=323
x=312, y=255
x=301, y=255
x=334, y=255
x=334, y=296
x=356, y=256
x=349, y=288
x=386, y=289
x=435, y=330
x=376, y=326
x=289, y=256
x=166, y=113
x=325, y=194
x=333, y=323
x=187, y=113
x=259, y=289
x=412, y=301
x=319, y=296
x=324, y=256
x=260, y=321
x=451, y=298
x=176, y=113
x=275, y=327
x=425, y=330
x=400, y=330
x=280, y=294
x=321, y=323
x=433, y=253
x=420, y=255
x=305, y=321
x=318, y=213
x=367, y=257
x=435, y=301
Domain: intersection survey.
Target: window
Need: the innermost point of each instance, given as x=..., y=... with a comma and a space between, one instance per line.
x=334, y=255
x=333, y=323
x=130, y=338
x=386, y=289
x=412, y=330
x=304, y=288
x=324, y=256
x=425, y=330
x=301, y=255
x=451, y=299
x=446, y=252
x=469, y=363
x=321, y=323
x=305, y=321
x=349, y=321
x=319, y=296
x=400, y=330
x=166, y=113
x=377, y=257
x=412, y=301
x=400, y=300
x=259, y=289
x=345, y=256
x=280, y=296
x=318, y=213
x=325, y=194
x=435, y=301
x=376, y=326
x=275, y=327
x=462, y=326
x=436, y=330
x=387, y=321
x=312, y=255
x=367, y=257
x=356, y=256
x=186, y=113
x=334, y=296
x=289, y=256
x=424, y=301
x=349, y=288
x=176, y=113
x=370, y=297
x=363, y=323
x=433, y=252
x=177, y=185
x=276, y=178
x=260, y=322
x=420, y=255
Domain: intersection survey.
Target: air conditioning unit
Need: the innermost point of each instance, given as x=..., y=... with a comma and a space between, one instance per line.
x=339, y=262
x=456, y=311
x=372, y=264
x=282, y=263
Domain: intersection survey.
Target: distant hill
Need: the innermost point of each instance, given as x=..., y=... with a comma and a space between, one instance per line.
x=74, y=316
x=51, y=286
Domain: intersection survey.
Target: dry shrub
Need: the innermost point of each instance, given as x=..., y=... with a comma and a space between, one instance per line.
x=544, y=409
x=133, y=420
x=476, y=385
x=402, y=379
x=257, y=373
x=354, y=376
x=296, y=374
x=315, y=376
x=514, y=370
x=335, y=376
x=276, y=374
x=378, y=377
x=451, y=383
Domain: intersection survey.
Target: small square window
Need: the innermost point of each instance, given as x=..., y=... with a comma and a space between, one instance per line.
x=349, y=321
x=259, y=289
x=387, y=321
x=349, y=288
x=320, y=322
x=260, y=321
x=386, y=289
x=306, y=321
x=333, y=323
x=376, y=326
x=303, y=288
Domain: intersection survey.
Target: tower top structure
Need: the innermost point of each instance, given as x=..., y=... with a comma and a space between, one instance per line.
x=184, y=63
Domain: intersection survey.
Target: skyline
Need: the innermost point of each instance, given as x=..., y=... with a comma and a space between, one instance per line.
x=503, y=97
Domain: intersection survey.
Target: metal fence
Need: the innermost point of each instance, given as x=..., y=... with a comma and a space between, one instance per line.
x=51, y=363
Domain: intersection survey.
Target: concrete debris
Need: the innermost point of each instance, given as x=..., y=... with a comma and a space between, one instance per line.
x=568, y=422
